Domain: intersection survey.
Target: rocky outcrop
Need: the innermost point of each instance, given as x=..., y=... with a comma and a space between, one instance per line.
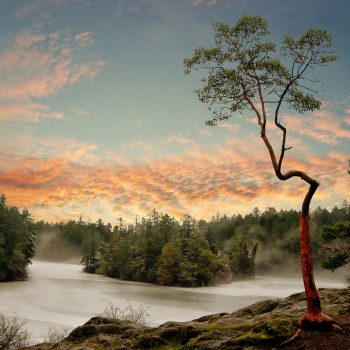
x=261, y=326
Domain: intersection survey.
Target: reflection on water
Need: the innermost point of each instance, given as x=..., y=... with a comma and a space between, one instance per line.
x=58, y=294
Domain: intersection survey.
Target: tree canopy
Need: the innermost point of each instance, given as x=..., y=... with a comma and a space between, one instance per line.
x=17, y=238
x=246, y=70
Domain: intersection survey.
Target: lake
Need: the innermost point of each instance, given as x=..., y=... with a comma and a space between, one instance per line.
x=58, y=294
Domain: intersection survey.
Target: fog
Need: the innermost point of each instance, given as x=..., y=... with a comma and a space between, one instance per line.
x=50, y=246
x=60, y=294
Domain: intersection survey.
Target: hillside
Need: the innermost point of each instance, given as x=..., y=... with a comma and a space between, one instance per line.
x=261, y=326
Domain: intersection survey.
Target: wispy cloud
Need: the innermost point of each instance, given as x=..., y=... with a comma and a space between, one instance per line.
x=196, y=3
x=80, y=112
x=38, y=65
x=205, y=132
x=141, y=145
x=84, y=38
x=323, y=126
x=130, y=6
x=34, y=7
x=180, y=139
x=29, y=111
x=229, y=127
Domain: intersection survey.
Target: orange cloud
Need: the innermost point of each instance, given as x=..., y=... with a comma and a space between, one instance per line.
x=232, y=178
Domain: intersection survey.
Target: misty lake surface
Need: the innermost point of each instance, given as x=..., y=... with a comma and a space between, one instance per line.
x=57, y=295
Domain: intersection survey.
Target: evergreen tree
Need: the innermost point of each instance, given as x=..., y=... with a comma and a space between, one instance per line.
x=241, y=261
x=17, y=238
x=187, y=260
x=169, y=262
x=336, y=249
x=89, y=258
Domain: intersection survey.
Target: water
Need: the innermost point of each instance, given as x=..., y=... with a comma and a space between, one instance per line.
x=58, y=294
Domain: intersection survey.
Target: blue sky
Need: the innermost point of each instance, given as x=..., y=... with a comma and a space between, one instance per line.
x=98, y=118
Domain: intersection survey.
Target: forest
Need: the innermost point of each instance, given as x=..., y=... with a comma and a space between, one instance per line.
x=161, y=249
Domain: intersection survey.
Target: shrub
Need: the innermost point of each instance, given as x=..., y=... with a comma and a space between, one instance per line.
x=13, y=334
x=55, y=335
x=138, y=314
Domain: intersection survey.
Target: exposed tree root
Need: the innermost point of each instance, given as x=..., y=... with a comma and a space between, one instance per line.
x=311, y=321
x=291, y=339
x=317, y=321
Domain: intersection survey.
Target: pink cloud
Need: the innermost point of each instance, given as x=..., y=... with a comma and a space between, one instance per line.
x=39, y=65
x=29, y=111
x=56, y=115
x=323, y=126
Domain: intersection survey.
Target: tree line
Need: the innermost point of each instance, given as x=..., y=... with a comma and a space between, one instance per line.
x=160, y=249
x=157, y=249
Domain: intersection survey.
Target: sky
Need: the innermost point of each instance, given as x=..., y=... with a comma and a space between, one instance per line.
x=98, y=119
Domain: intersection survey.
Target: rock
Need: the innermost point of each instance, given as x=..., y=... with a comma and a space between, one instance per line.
x=261, y=326
x=100, y=325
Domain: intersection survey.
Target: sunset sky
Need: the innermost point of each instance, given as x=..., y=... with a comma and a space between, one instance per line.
x=97, y=117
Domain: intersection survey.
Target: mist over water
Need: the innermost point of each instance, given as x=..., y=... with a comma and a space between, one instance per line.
x=50, y=246
x=59, y=294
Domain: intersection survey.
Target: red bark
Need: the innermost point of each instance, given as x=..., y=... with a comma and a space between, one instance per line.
x=314, y=315
x=312, y=298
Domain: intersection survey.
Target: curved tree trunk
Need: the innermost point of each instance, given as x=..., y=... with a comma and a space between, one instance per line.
x=314, y=311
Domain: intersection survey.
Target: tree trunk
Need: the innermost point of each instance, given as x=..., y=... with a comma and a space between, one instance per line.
x=312, y=298
x=314, y=315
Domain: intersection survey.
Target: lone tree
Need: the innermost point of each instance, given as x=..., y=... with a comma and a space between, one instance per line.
x=245, y=72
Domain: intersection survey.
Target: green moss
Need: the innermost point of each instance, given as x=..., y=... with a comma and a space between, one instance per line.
x=172, y=347
x=227, y=326
x=251, y=338
x=148, y=341
x=275, y=328
x=211, y=331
